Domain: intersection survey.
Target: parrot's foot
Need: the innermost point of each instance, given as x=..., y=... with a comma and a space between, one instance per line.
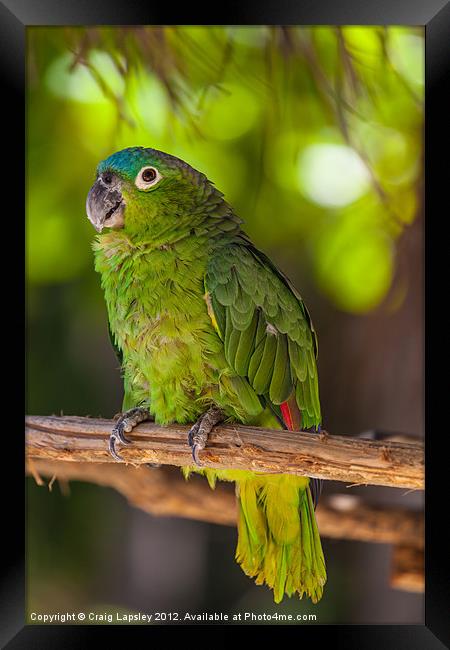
x=198, y=435
x=126, y=423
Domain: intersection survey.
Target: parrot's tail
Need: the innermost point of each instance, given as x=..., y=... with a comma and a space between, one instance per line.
x=279, y=543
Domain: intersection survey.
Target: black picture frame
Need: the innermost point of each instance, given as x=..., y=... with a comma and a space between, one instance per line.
x=15, y=17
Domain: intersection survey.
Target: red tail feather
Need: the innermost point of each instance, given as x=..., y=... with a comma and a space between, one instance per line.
x=291, y=414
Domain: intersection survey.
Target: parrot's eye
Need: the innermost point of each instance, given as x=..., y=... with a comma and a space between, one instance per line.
x=149, y=174
x=147, y=177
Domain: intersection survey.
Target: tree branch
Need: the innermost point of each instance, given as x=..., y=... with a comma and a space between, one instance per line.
x=165, y=492
x=338, y=458
x=408, y=569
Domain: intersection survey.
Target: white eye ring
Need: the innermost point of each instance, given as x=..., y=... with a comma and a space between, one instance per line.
x=153, y=177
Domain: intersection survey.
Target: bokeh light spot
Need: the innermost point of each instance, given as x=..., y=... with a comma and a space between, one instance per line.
x=149, y=100
x=78, y=83
x=355, y=269
x=231, y=114
x=332, y=175
x=407, y=54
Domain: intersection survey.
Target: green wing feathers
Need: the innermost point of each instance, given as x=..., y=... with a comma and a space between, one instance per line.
x=268, y=336
x=270, y=344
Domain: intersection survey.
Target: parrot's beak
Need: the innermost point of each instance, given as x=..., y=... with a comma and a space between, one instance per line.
x=105, y=205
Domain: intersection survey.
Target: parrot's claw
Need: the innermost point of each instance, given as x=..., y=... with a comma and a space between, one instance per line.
x=112, y=448
x=126, y=423
x=198, y=434
x=195, y=449
x=192, y=431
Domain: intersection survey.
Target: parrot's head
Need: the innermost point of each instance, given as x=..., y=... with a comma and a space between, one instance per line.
x=146, y=191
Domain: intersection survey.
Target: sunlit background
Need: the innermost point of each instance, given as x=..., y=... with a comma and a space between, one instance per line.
x=315, y=137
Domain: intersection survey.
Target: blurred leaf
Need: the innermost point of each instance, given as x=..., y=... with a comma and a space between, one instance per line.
x=302, y=128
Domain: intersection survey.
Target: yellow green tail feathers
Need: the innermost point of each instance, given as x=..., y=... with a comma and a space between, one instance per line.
x=279, y=543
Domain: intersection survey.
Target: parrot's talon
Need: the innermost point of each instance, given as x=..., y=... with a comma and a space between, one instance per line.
x=126, y=423
x=195, y=456
x=118, y=433
x=192, y=431
x=112, y=448
x=199, y=432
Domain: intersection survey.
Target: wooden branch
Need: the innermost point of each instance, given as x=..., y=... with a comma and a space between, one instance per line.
x=336, y=458
x=159, y=491
x=164, y=491
x=343, y=516
x=408, y=569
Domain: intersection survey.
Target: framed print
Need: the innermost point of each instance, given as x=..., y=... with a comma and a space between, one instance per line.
x=227, y=260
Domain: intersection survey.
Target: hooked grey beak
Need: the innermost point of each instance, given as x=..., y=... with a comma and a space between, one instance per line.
x=104, y=204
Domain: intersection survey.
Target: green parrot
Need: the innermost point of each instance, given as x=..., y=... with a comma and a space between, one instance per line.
x=207, y=330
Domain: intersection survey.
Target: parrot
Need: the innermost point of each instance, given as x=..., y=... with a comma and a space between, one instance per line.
x=208, y=330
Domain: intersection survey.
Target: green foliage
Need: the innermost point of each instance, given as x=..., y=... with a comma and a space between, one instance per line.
x=314, y=135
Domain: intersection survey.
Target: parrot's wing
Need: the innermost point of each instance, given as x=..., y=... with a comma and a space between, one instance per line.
x=267, y=332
